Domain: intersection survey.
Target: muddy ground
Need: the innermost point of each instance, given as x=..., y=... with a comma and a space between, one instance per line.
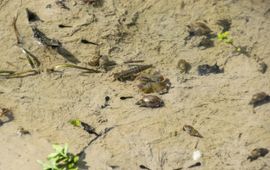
x=217, y=105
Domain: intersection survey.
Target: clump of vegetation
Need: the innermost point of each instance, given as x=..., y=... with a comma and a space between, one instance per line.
x=75, y=122
x=224, y=37
x=61, y=159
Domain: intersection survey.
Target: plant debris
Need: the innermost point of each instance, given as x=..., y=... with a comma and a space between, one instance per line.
x=6, y=73
x=191, y=131
x=24, y=74
x=256, y=153
x=43, y=39
x=32, y=16
x=17, y=34
x=13, y=74
x=195, y=165
x=33, y=61
x=67, y=55
x=61, y=4
x=87, y=70
x=154, y=83
x=126, y=97
x=259, y=99
x=150, y=101
x=84, y=41
x=92, y=2
x=144, y=167
x=206, y=69
x=89, y=129
x=64, y=26
x=107, y=98
x=133, y=61
x=54, y=44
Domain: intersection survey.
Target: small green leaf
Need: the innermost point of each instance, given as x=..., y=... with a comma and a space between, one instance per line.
x=61, y=159
x=66, y=149
x=58, y=148
x=223, y=36
x=76, y=159
x=75, y=122
x=70, y=165
x=52, y=155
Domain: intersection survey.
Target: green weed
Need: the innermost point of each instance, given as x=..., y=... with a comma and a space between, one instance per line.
x=61, y=159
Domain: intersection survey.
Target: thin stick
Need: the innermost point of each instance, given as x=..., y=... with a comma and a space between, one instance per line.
x=18, y=36
x=33, y=61
x=133, y=61
x=6, y=72
x=77, y=67
x=23, y=74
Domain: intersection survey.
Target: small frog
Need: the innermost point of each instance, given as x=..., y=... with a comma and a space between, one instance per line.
x=21, y=131
x=6, y=115
x=154, y=83
x=150, y=101
x=183, y=66
x=256, y=153
x=206, y=69
x=259, y=99
x=131, y=73
x=262, y=67
x=225, y=24
x=191, y=131
x=198, y=29
x=3, y=111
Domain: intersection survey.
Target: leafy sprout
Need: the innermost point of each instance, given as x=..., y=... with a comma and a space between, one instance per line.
x=75, y=122
x=224, y=36
x=61, y=159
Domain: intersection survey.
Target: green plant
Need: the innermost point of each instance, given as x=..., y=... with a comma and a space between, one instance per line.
x=75, y=122
x=224, y=37
x=61, y=159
